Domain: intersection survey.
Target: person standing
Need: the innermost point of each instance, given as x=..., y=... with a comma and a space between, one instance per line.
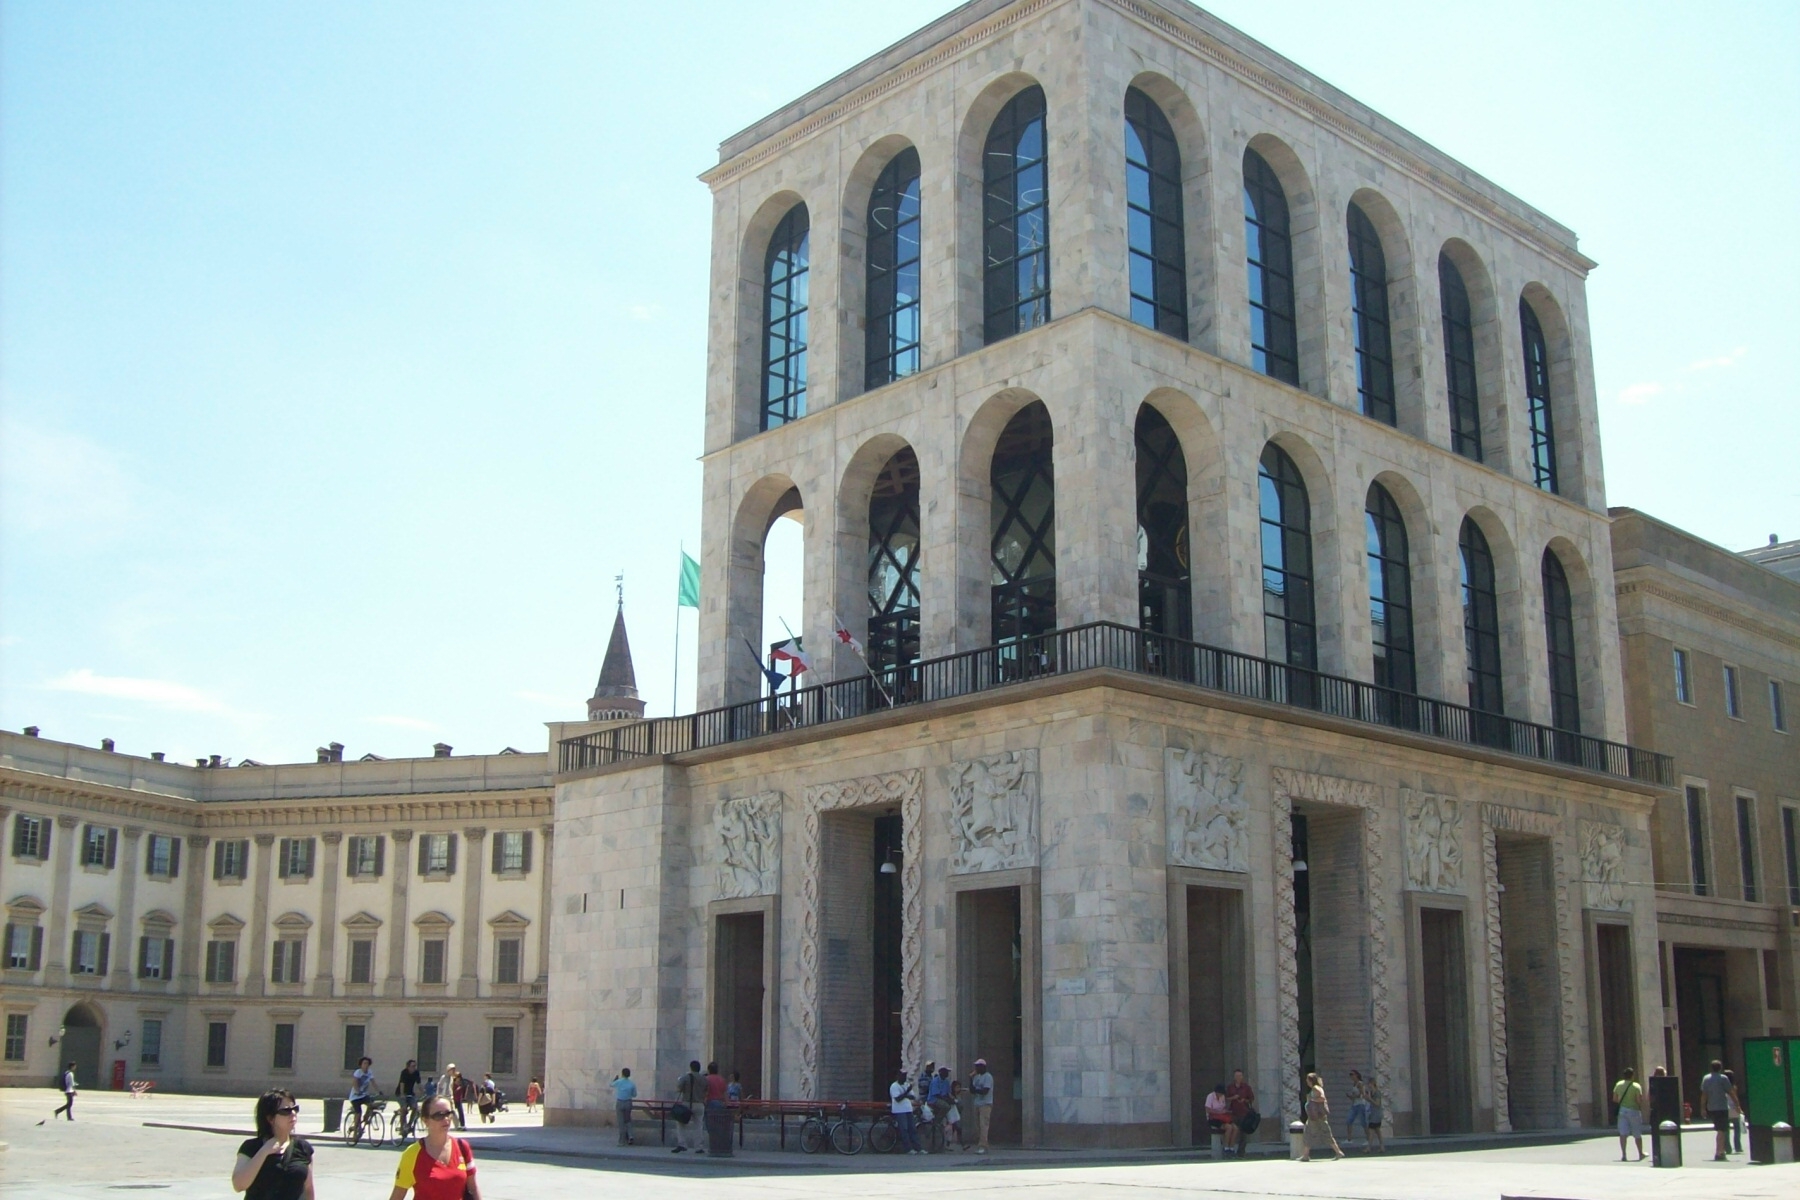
x=1243, y=1103
x=456, y=1090
x=1359, y=1109
x=624, y=1092
x=953, y=1117
x=900, y=1104
x=1628, y=1094
x=437, y=1166
x=981, y=1086
x=1372, y=1093
x=1318, y=1121
x=937, y=1099
x=534, y=1091
x=67, y=1083
x=716, y=1089
x=1715, y=1090
x=734, y=1091
x=690, y=1093
x=275, y=1165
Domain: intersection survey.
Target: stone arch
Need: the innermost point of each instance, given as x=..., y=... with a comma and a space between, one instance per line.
x=1196, y=195
x=853, y=234
x=1403, y=307
x=855, y=486
x=1490, y=372
x=753, y=248
x=1326, y=525
x=1513, y=594
x=971, y=140
x=1565, y=396
x=1210, y=552
x=762, y=504
x=81, y=1040
x=980, y=438
x=1304, y=233
x=1585, y=599
x=1427, y=570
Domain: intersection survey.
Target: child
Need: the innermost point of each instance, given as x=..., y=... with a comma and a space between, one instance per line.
x=534, y=1092
x=734, y=1091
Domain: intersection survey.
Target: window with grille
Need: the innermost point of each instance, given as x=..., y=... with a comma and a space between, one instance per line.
x=150, y=1042
x=362, y=960
x=1390, y=592
x=1537, y=399
x=434, y=952
x=1459, y=361
x=1369, y=319
x=1015, y=219
x=1269, y=255
x=1289, y=626
x=891, y=328
x=509, y=955
x=1153, y=218
x=1165, y=593
x=1023, y=528
x=893, y=629
x=215, y=1043
x=1559, y=630
x=785, y=316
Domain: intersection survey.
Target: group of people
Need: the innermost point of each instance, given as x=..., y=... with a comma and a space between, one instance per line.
x=277, y=1164
x=1718, y=1096
x=697, y=1095
x=935, y=1096
x=413, y=1088
x=1231, y=1113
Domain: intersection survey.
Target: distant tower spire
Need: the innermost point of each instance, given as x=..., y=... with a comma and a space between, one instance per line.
x=615, y=697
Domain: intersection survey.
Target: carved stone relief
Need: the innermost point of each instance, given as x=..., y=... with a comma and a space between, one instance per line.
x=994, y=812
x=905, y=789
x=748, y=829
x=1207, y=814
x=1434, y=846
x=1603, y=865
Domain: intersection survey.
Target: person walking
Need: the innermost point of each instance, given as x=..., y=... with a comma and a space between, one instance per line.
x=1359, y=1110
x=981, y=1086
x=1244, y=1117
x=624, y=1092
x=1318, y=1121
x=1736, y=1111
x=1715, y=1090
x=1628, y=1094
x=275, y=1164
x=690, y=1093
x=900, y=1104
x=456, y=1089
x=1372, y=1094
x=534, y=1091
x=437, y=1166
x=67, y=1083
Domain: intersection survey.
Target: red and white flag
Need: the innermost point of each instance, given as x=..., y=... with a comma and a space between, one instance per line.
x=845, y=637
x=790, y=651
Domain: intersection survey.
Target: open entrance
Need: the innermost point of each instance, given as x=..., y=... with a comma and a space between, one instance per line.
x=80, y=1044
x=739, y=1007
x=1534, y=1049
x=1444, y=988
x=991, y=1007
x=888, y=993
x=1215, y=990
x=1618, y=1003
x=1332, y=947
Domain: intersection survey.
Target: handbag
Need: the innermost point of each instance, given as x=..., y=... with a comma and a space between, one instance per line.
x=681, y=1113
x=1249, y=1121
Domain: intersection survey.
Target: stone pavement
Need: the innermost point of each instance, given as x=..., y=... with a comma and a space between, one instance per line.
x=161, y=1144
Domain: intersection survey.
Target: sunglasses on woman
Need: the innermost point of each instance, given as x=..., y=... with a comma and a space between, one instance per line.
x=291, y=1111
x=438, y=1116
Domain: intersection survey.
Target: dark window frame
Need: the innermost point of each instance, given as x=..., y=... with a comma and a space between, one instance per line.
x=1284, y=510
x=785, y=320
x=1748, y=876
x=1559, y=638
x=1481, y=621
x=1388, y=552
x=1022, y=519
x=1790, y=838
x=1461, y=378
x=1015, y=219
x=1164, y=546
x=513, y=943
x=503, y=1063
x=1538, y=415
x=282, y=1058
x=149, y=1046
x=18, y=1036
x=218, y=1044
x=1699, y=869
x=1269, y=260
x=368, y=965
x=892, y=343
x=1156, y=256
x=356, y=1044
x=1370, y=319
x=894, y=564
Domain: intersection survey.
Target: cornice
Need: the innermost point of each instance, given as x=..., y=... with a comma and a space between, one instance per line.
x=1707, y=605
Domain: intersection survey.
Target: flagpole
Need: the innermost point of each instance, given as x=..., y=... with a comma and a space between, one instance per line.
x=675, y=683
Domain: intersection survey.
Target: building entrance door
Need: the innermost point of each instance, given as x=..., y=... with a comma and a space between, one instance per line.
x=739, y=990
x=990, y=962
x=1445, y=989
x=1215, y=989
x=1534, y=1053
x=81, y=1045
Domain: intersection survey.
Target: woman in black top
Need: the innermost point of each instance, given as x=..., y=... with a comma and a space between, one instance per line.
x=275, y=1165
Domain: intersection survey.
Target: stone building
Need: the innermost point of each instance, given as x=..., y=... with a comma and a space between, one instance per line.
x=1712, y=657
x=228, y=929
x=1208, y=469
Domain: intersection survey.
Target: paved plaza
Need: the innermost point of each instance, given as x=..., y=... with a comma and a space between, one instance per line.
x=182, y=1146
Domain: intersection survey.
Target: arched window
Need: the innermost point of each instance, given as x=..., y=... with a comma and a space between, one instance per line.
x=1153, y=218
x=1015, y=219
x=1165, y=597
x=1390, y=592
x=891, y=337
x=1369, y=316
x=1023, y=525
x=1274, y=349
x=1559, y=629
x=1288, y=624
x=1537, y=397
x=1459, y=361
x=1481, y=620
x=784, y=321
x=893, y=639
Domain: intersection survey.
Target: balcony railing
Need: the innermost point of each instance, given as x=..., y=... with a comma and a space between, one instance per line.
x=1120, y=648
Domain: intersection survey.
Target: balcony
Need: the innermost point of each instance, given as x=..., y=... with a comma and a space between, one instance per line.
x=1105, y=646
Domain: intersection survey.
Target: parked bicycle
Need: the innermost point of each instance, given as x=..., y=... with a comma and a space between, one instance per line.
x=842, y=1133
x=884, y=1135
x=370, y=1128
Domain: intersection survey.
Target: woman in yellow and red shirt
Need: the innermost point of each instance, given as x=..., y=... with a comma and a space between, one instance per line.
x=437, y=1166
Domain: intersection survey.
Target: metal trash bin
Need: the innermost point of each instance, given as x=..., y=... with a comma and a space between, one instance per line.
x=334, y=1113
x=718, y=1130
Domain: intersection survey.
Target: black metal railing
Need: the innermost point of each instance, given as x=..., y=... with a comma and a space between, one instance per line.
x=1121, y=648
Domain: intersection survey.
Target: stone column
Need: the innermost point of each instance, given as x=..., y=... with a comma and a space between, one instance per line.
x=546, y=883
x=475, y=866
x=124, y=938
x=328, y=905
x=256, y=983
x=396, y=977
x=5, y=853
x=193, y=934
x=56, y=962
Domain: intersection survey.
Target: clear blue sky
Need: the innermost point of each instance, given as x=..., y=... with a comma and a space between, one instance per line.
x=347, y=350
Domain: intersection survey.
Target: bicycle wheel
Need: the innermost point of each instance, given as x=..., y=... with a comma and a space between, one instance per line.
x=846, y=1137
x=353, y=1132
x=813, y=1135
x=376, y=1130
x=931, y=1136
x=405, y=1123
x=884, y=1135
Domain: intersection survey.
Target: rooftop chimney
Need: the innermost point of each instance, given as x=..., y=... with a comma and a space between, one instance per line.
x=106, y=744
x=337, y=751
x=156, y=756
x=201, y=763
x=215, y=761
x=440, y=750
x=1773, y=540
x=31, y=731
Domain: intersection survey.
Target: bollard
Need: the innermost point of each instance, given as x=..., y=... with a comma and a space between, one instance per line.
x=1218, y=1145
x=1668, y=1145
x=1297, y=1140
x=1784, y=1142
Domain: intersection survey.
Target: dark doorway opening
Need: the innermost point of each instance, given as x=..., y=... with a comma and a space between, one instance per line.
x=1333, y=967
x=1618, y=1008
x=887, y=993
x=1534, y=1048
x=81, y=1037
x=990, y=966
x=1303, y=974
x=1700, y=994
x=1445, y=989
x=738, y=960
x=1216, y=1011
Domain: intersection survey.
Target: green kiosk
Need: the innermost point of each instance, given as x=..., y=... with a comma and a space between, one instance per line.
x=1771, y=1091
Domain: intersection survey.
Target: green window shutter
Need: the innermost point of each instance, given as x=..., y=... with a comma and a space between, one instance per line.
x=526, y=838
x=380, y=854
x=498, y=838
x=174, y=857
x=143, y=971
x=112, y=848
x=37, y=946
x=45, y=825
x=452, y=859
x=105, y=951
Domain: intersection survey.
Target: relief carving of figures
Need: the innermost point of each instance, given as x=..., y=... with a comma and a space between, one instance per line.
x=994, y=812
x=749, y=832
x=1434, y=845
x=1603, y=865
x=1207, y=812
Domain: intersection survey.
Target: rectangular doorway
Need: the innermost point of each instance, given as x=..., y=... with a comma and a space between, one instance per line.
x=990, y=962
x=1700, y=978
x=1619, y=1043
x=739, y=992
x=1332, y=944
x=1534, y=1045
x=1444, y=987
x=1215, y=990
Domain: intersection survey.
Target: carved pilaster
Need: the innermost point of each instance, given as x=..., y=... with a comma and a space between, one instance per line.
x=469, y=983
x=125, y=931
x=396, y=975
x=191, y=938
x=324, y=977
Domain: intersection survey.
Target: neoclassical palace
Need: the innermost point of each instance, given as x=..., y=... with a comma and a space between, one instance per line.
x=1222, y=655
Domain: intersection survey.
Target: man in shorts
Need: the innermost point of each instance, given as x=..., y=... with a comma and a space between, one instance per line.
x=1628, y=1094
x=1715, y=1090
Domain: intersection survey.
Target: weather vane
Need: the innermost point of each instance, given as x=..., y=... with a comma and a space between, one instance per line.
x=619, y=582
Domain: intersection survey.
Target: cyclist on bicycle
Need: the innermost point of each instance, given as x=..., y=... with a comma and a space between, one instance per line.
x=406, y=1091
x=362, y=1081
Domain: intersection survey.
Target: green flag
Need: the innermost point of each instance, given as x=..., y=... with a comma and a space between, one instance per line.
x=687, y=595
